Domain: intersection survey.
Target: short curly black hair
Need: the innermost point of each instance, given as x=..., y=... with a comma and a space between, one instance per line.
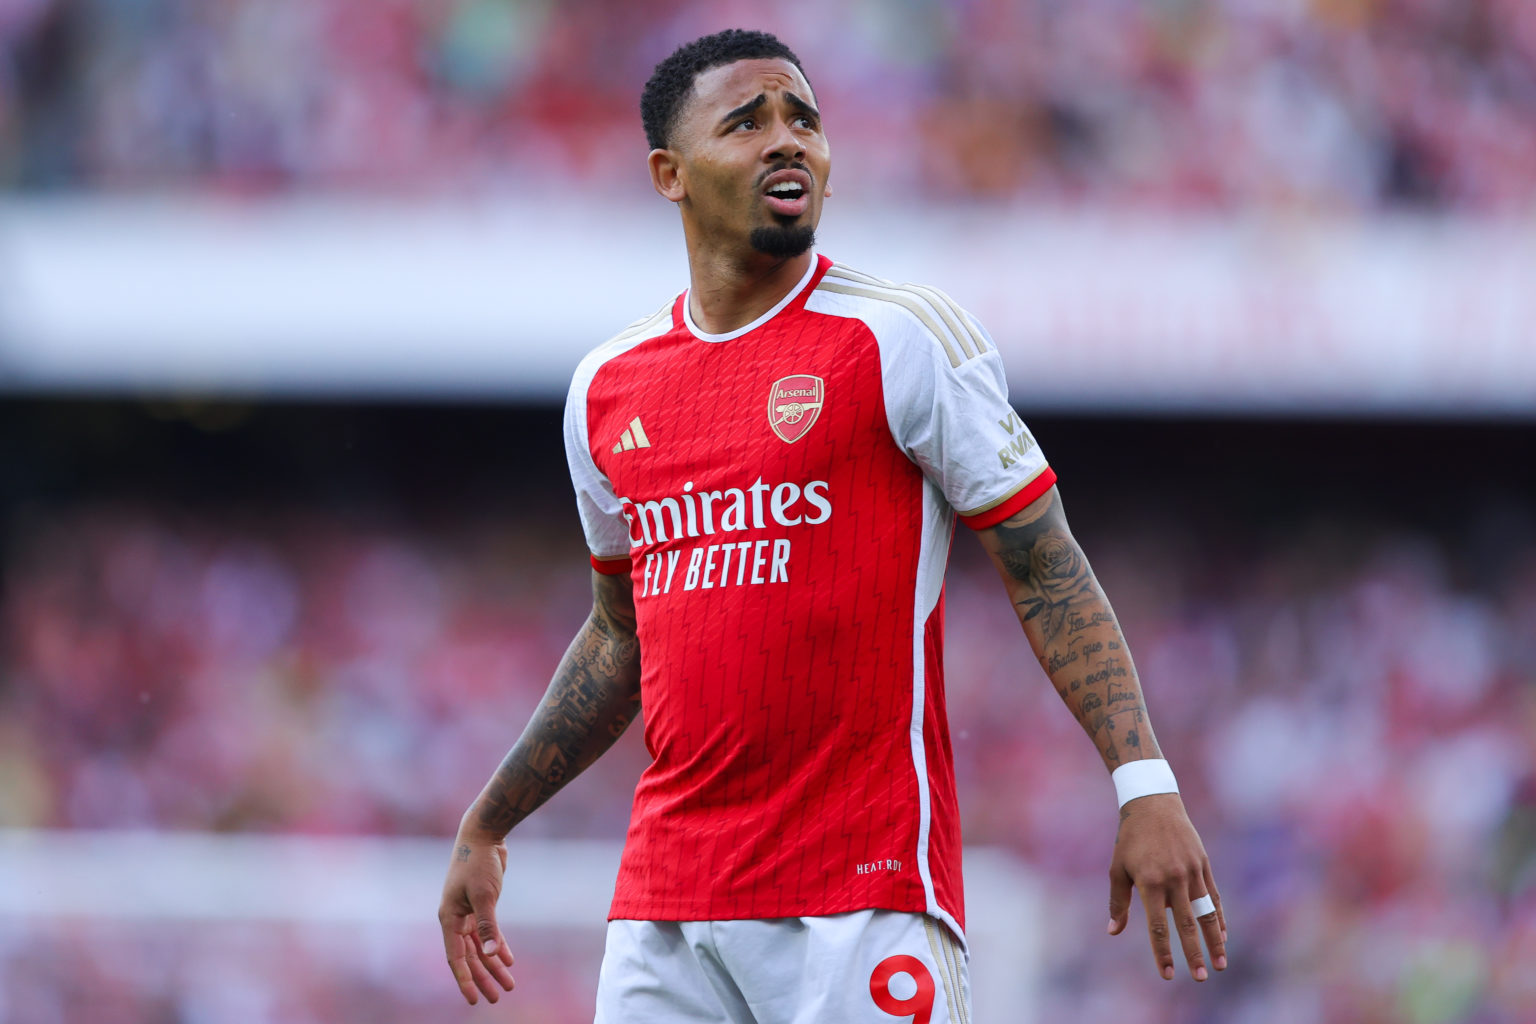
x=672, y=79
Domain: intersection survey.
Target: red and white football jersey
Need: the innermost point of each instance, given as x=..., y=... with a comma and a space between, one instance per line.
x=783, y=497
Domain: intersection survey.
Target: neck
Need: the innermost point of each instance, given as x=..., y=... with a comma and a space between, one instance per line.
x=728, y=293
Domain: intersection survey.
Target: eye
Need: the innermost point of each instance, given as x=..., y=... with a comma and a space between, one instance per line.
x=747, y=123
x=806, y=121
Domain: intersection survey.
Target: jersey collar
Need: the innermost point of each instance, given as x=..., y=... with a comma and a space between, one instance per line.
x=816, y=266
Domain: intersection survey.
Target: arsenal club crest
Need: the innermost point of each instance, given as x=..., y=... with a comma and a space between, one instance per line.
x=794, y=404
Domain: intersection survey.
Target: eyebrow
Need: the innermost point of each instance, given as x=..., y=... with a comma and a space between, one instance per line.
x=757, y=101
x=802, y=106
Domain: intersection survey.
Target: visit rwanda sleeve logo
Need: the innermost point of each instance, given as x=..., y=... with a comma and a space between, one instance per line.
x=794, y=404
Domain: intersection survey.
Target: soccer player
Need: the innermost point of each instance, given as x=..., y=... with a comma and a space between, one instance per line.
x=768, y=470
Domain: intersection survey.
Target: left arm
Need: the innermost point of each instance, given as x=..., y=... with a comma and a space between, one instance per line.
x=1078, y=642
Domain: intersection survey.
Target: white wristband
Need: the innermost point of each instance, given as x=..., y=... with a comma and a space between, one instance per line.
x=1143, y=778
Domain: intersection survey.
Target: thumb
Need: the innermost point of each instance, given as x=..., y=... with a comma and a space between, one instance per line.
x=484, y=906
x=1119, y=898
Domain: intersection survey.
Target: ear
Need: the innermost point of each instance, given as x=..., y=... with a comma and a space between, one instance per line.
x=667, y=175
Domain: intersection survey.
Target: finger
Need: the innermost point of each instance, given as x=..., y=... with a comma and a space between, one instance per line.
x=499, y=964
x=1210, y=929
x=1153, y=900
x=1119, y=898
x=450, y=915
x=458, y=963
x=487, y=934
x=1221, y=915
x=453, y=948
x=1215, y=925
x=1189, y=933
x=483, y=980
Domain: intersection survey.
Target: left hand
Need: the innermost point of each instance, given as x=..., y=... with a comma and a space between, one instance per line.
x=1158, y=851
x=477, y=952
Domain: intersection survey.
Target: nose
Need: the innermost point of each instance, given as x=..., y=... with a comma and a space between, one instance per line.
x=781, y=143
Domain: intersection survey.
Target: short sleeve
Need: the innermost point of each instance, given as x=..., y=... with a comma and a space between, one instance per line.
x=602, y=516
x=947, y=401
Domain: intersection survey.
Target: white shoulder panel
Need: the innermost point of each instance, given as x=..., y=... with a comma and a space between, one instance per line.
x=602, y=519
x=946, y=397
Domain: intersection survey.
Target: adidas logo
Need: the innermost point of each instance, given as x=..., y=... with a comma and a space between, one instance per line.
x=632, y=438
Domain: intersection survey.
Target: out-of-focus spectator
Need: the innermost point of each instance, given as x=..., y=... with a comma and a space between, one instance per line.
x=1354, y=725
x=305, y=677
x=254, y=973
x=1331, y=105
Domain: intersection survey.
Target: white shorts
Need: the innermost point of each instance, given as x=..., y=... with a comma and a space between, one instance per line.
x=866, y=967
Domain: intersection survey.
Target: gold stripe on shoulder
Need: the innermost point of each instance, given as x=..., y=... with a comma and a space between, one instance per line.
x=954, y=307
x=971, y=344
x=640, y=326
x=917, y=309
x=951, y=320
x=849, y=274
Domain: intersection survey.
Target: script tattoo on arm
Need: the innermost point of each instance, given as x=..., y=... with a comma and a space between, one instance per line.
x=1072, y=628
x=594, y=696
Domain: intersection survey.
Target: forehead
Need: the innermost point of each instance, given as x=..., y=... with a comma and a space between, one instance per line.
x=730, y=85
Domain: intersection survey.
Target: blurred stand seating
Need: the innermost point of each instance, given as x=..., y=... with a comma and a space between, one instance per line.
x=1351, y=711
x=1314, y=105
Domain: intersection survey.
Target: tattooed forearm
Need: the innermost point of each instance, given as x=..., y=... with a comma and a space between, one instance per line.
x=1042, y=556
x=1073, y=629
x=594, y=696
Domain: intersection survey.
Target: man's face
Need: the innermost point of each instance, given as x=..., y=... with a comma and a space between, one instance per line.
x=752, y=159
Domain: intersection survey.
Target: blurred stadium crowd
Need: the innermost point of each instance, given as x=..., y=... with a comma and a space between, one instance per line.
x=1351, y=706
x=1333, y=105
x=1350, y=711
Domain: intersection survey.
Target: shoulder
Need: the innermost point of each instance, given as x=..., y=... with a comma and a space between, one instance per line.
x=642, y=330
x=902, y=316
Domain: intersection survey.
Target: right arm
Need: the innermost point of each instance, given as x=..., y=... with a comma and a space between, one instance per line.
x=593, y=697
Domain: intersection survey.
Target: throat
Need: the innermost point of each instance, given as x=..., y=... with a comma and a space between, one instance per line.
x=726, y=298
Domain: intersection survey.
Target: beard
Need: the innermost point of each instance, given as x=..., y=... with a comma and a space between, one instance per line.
x=783, y=241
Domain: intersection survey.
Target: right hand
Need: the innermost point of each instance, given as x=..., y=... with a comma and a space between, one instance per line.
x=1158, y=852
x=477, y=951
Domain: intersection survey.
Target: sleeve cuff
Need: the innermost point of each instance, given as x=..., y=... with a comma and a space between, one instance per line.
x=1027, y=492
x=611, y=566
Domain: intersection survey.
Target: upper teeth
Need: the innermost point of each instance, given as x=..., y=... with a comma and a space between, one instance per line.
x=786, y=186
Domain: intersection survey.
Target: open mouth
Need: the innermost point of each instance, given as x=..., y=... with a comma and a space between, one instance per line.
x=788, y=192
